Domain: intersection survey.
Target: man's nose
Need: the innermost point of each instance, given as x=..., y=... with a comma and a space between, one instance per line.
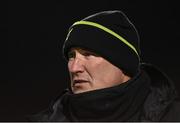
x=76, y=66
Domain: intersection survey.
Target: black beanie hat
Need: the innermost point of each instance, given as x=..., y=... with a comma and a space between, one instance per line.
x=111, y=35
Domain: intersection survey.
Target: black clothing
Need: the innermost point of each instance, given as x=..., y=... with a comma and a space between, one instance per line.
x=149, y=96
x=118, y=103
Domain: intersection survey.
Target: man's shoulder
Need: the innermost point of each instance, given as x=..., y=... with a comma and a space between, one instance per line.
x=173, y=112
x=40, y=116
x=53, y=113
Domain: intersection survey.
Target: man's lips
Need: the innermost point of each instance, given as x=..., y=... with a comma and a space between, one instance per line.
x=79, y=81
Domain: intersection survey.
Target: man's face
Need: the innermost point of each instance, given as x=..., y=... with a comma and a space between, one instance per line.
x=88, y=71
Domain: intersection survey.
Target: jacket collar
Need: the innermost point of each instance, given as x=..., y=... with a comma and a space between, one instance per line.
x=162, y=94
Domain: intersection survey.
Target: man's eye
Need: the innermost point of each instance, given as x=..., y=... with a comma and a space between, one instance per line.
x=71, y=55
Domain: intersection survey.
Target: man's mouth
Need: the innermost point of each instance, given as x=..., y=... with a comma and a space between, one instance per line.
x=79, y=82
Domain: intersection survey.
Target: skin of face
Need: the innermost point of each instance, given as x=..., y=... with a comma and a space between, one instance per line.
x=89, y=71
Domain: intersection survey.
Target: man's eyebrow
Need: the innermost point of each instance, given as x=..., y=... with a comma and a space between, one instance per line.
x=83, y=50
x=90, y=52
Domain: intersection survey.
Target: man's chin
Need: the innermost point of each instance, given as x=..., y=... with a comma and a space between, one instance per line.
x=80, y=90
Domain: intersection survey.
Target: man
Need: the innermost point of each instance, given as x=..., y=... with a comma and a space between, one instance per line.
x=108, y=80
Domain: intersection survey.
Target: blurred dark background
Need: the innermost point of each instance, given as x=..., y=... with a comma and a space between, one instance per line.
x=33, y=71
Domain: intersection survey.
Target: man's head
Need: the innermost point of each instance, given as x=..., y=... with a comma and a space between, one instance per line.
x=89, y=71
x=114, y=38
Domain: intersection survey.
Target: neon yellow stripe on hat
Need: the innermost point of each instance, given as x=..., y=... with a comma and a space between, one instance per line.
x=109, y=31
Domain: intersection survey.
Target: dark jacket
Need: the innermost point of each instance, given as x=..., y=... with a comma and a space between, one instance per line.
x=161, y=103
